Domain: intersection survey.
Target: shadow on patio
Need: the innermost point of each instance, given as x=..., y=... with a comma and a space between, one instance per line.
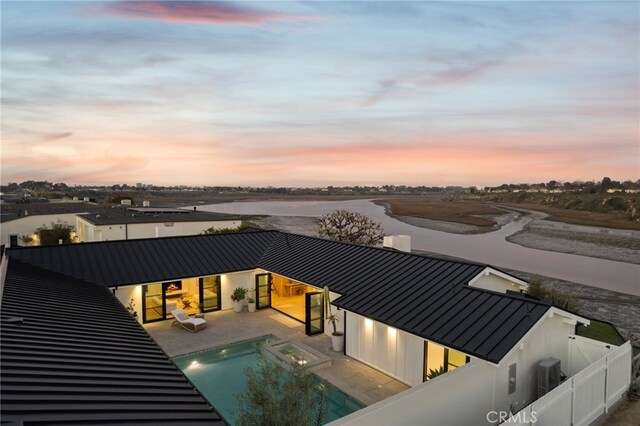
x=223, y=328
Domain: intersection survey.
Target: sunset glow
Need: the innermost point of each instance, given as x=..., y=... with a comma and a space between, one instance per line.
x=320, y=93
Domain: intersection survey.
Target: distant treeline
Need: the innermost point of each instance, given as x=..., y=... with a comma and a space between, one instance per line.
x=46, y=188
x=590, y=187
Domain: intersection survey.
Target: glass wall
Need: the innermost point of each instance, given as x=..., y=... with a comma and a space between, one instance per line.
x=288, y=296
x=153, y=302
x=192, y=295
x=210, y=293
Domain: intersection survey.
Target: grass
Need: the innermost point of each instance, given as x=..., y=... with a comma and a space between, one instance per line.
x=601, y=331
x=445, y=209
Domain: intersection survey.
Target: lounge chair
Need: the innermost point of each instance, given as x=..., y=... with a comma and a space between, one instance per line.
x=188, y=323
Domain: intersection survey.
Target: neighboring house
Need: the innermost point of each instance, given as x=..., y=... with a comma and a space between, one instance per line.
x=14, y=227
x=148, y=222
x=101, y=223
x=402, y=313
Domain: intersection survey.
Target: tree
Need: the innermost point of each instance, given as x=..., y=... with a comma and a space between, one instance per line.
x=213, y=230
x=350, y=227
x=58, y=231
x=275, y=398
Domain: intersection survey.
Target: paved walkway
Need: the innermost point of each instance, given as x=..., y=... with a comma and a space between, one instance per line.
x=355, y=378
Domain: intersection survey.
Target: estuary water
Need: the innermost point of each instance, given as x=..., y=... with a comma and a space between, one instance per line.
x=490, y=248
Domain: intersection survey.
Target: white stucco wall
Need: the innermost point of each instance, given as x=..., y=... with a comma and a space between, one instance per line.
x=458, y=398
x=28, y=225
x=395, y=352
x=135, y=231
x=465, y=395
x=549, y=339
x=125, y=294
x=228, y=282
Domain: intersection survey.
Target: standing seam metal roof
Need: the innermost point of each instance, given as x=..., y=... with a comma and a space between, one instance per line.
x=424, y=296
x=72, y=354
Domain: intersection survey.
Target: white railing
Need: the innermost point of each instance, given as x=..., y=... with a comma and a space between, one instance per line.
x=584, y=397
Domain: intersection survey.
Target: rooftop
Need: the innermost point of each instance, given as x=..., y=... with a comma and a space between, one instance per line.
x=119, y=215
x=424, y=296
x=71, y=353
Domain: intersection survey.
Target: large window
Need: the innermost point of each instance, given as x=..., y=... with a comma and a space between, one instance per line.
x=288, y=296
x=439, y=359
x=192, y=295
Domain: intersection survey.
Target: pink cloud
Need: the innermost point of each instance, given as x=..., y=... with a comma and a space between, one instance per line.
x=194, y=12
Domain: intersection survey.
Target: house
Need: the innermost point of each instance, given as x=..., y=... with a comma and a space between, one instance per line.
x=148, y=222
x=404, y=314
x=100, y=223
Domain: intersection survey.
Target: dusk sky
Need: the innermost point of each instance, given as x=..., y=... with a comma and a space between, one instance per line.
x=320, y=93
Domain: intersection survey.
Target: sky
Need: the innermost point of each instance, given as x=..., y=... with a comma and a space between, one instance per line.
x=319, y=93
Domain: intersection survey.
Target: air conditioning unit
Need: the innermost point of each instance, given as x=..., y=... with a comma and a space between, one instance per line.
x=548, y=375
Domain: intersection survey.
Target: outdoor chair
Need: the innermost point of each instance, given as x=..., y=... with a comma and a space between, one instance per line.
x=188, y=323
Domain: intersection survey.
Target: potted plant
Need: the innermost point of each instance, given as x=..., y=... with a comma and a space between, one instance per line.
x=238, y=296
x=337, y=337
x=251, y=301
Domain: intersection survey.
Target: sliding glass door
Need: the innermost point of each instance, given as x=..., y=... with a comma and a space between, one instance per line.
x=153, y=304
x=210, y=293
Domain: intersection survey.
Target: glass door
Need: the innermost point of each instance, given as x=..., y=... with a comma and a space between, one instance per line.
x=210, y=293
x=152, y=303
x=263, y=291
x=314, y=313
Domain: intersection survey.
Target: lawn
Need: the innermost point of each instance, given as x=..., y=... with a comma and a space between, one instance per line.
x=601, y=331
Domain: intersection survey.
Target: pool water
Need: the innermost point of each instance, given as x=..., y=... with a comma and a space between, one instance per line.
x=219, y=375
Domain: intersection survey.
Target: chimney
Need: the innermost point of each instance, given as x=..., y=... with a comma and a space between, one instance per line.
x=398, y=242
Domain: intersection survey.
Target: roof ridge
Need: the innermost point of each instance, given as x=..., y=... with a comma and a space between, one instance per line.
x=387, y=249
x=510, y=296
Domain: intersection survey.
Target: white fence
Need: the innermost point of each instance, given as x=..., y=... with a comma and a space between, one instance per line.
x=584, y=397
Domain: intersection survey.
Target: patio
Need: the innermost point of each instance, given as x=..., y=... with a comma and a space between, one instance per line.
x=225, y=327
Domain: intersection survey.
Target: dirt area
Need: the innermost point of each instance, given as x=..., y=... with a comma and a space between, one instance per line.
x=627, y=414
x=605, y=243
x=579, y=217
x=442, y=208
x=497, y=218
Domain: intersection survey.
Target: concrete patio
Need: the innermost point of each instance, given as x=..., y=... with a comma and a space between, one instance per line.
x=223, y=328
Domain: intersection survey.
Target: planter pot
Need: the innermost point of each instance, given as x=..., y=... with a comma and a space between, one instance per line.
x=337, y=341
x=237, y=306
x=251, y=306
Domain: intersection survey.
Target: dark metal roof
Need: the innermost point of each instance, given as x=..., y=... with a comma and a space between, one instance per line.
x=423, y=295
x=12, y=211
x=119, y=216
x=71, y=354
x=114, y=263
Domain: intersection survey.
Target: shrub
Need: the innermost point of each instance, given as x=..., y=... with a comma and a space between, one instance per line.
x=274, y=398
x=557, y=298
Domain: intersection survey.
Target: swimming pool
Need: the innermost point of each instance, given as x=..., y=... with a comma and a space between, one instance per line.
x=219, y=376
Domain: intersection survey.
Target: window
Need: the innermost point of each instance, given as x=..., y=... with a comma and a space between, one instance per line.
x=438, y=358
